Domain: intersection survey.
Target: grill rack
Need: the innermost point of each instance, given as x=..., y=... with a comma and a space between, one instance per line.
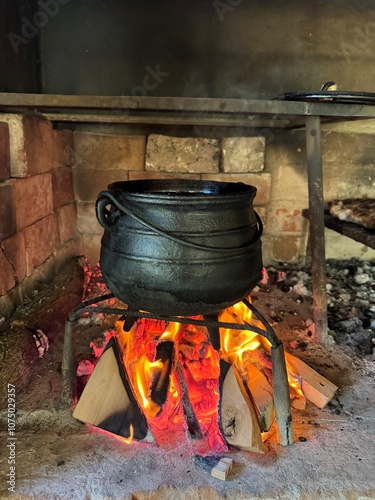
x=279, y=372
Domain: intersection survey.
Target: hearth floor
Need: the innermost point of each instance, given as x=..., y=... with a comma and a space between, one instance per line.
x=58, y=457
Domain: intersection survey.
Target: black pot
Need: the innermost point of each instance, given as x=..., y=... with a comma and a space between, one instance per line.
x=179, y=247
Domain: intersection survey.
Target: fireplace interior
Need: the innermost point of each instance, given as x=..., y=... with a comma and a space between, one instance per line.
x=110, y=389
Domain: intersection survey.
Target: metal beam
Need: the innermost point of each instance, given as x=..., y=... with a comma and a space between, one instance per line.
x=316, y=213
x=187, y=104
x=211, y=120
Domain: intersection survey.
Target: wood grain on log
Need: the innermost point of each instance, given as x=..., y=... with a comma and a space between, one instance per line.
x=262, y=395
x=107, y=401
x=315, y=387
x=238, y=418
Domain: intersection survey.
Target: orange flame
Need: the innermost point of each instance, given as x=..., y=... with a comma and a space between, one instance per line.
x=235, y=342
x=170, y=332
x=145, y=371
x=294, y=379
x=199, y=364
x=122, y=439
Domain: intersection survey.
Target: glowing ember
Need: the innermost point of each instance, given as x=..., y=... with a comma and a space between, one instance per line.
x=170, y=363
x=124, y=440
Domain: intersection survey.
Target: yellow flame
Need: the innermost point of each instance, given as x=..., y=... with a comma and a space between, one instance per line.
x=294, y=380
x=235, y=342
x=130, y=438
x=145, y=370
x=170, y=332
x=122, y=439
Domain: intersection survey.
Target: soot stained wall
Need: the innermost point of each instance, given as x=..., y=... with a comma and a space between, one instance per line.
x=214, y=48
x=19, y=47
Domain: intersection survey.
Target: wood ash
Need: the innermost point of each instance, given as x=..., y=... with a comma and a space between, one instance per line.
x=350, y=300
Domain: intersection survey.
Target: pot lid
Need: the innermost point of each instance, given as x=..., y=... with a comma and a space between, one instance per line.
x=331, y=96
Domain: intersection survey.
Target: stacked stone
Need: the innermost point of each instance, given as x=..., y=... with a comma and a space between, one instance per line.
x=38, y=230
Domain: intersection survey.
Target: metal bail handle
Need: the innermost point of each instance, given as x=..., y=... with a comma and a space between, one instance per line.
x=107, y=220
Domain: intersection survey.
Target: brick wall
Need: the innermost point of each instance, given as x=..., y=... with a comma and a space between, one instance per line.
x=116, y=158
x=49, y=182
x=38, y=216
x=278, y=170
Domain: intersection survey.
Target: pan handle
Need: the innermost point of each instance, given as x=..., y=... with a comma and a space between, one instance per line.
x=107, y=219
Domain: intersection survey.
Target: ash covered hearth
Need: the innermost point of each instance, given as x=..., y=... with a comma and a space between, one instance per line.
x=246, y=350
x=209, y=369
x=165, y=245
x=350, y=300
x=111, y=465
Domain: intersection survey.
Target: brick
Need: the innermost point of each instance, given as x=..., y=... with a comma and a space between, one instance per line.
x=243, y=154
x=18, y=163
x=182, y=154
x=88, y=184
x=10, y=301
x=8, y=224
x=135, y=176
x=262, y=212
x=38, y=145
x=42, y=274
x=34, y=146
x=41, y=239
x=287, y=248
x=266, y=250
x=62, y=148
x=4, y=152
x=14, y=249
x=91, y=247
x=341, y=247
x=32, y=198
x=87, y=221
x=285, y=217
x=7, y=277
x=289, y=183
x=112, y=152
x=62, y=186
x=67, y=221
x=261, y=181
x=70, y=249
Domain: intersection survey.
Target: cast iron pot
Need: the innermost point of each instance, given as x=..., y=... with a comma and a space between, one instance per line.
x=179, y=247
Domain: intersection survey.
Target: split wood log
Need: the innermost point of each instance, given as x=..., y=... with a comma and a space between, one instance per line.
x=262, y=395
x=160, y=384
x=238, y=417
x=297, y=401
x=190, y=417
x=108, y=402
x=315, y=387
x=222, y=468
x=218, y=467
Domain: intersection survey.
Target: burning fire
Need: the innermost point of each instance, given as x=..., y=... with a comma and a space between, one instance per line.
x=173, y=369
x=235, y=344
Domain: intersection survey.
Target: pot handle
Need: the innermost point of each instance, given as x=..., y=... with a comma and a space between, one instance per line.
x=107, y=220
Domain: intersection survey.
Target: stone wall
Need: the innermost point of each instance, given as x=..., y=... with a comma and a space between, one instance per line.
x=49, y=182
x=276, y=166
x=160, y=157
x=38, y=229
